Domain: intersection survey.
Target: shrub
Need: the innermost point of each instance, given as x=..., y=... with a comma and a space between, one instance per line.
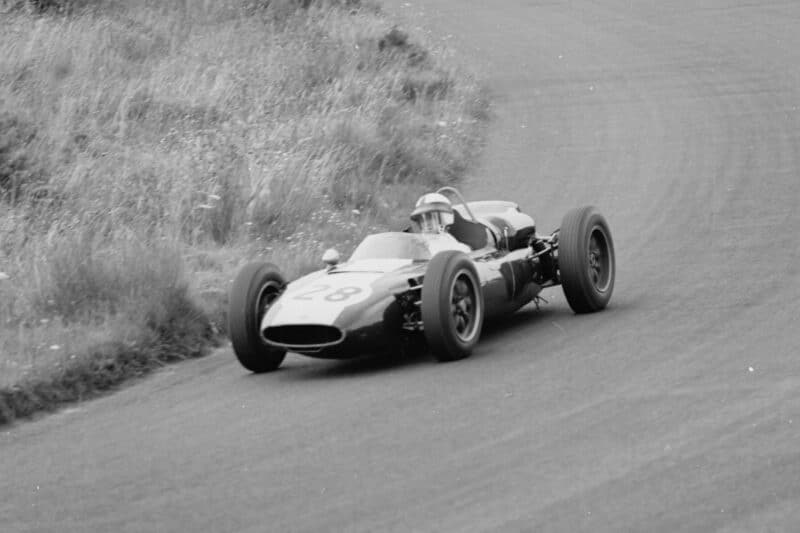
x=86, y=274
x=57, y=6
x=18, y=172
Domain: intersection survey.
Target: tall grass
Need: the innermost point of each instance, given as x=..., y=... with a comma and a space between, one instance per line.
x=147, y=148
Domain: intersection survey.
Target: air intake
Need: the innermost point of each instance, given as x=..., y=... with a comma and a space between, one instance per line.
x=307, y=336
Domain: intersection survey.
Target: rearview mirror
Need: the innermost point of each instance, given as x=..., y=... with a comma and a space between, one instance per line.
x=330, y=257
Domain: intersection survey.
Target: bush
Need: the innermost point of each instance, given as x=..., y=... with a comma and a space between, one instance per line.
x=60, y=7
x=86, y=275
x=18, y=172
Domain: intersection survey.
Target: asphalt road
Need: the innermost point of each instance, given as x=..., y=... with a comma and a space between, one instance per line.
x=676, y=409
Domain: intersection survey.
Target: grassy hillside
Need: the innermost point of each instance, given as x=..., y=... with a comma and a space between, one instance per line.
x=148, y=148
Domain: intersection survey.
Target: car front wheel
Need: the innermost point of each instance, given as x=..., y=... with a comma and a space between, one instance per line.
x=452, y=306
x=254, y=290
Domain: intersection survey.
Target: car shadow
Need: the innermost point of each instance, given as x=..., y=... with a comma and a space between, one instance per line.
x=312, y=368
x=529, y=318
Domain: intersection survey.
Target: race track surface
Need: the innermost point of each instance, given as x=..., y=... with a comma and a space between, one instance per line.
x=676, y=409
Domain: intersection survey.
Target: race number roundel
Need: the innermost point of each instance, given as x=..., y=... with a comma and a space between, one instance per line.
x=323, y=299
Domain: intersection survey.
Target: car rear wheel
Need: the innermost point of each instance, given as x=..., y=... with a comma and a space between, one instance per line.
x=452, y=306
x=586, y=260
x=254, y=290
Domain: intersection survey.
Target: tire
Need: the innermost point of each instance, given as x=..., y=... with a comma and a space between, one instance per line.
x=586, y=260
x=255, y=288
x=452, y=328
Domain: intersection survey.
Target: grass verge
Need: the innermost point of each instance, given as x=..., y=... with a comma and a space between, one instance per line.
x=148, y=149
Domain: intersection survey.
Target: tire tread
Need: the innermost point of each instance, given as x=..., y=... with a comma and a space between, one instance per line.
x=573, y=239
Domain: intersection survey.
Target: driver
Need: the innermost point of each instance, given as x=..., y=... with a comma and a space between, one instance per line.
x=432, y=215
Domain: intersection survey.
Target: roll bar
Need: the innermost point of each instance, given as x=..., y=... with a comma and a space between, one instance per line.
x=457, y=194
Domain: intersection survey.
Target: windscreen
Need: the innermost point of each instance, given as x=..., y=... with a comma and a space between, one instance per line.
x=394, y=245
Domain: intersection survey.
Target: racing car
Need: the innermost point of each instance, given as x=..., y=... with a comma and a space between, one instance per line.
x=459, y=264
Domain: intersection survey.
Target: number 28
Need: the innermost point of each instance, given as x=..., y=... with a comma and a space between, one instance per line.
x=339, y=295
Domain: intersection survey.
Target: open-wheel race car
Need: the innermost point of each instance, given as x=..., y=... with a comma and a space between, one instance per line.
x=437, y=281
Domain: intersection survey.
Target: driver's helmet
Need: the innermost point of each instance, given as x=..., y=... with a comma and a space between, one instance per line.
x=433, y=213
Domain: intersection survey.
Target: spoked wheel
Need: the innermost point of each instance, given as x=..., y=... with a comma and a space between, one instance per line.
x=452, y=306
x=254, y=290
x=600, y=260
x=586, y=260
x=463, y=306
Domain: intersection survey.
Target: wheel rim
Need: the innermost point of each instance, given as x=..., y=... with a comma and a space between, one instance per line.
x=268, y=293
x=601, y=265
x=464, y=306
